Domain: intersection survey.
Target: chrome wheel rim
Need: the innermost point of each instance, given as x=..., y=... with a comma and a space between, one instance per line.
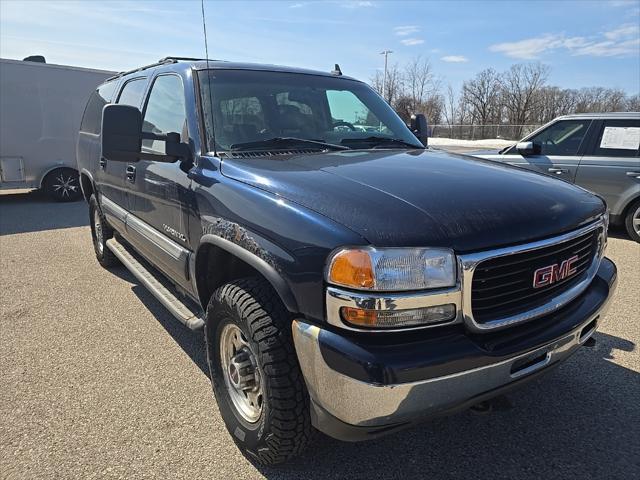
x=64, y=186
x=241, y=374
x=97, y=227
x=635, y=221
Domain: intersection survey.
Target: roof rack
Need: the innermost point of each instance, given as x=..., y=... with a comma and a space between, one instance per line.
x=162, y=61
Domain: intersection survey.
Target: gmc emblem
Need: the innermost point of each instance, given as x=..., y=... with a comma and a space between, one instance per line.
x=551, y=274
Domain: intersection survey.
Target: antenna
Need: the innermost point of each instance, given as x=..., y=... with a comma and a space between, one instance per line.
x=206, y=51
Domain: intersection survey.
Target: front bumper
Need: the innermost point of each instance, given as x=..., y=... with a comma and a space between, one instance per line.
x=362, y=387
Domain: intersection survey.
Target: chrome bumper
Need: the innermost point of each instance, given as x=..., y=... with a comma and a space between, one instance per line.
x=360, y=404
x=368, y=405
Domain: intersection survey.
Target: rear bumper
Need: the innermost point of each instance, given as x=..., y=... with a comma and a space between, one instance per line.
x=362, y=388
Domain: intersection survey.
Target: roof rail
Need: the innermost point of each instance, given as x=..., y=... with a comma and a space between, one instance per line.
x=162, y=61
x=177, y=59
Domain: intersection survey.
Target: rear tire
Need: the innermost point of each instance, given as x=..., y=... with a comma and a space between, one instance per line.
x=63, y=185
x=260, y=389
x=100, y=233
x=632, y=221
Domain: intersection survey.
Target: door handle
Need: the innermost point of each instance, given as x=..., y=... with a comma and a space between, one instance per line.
x=131, y=173
x=558, y=171
x=103, y=163
x=634, y=174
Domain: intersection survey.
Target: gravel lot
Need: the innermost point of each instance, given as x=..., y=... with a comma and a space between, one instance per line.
x=99, y=381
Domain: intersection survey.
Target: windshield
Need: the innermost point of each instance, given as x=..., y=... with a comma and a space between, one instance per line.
x=252, y=108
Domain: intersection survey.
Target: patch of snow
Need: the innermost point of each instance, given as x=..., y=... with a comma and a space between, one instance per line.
x=485, y=143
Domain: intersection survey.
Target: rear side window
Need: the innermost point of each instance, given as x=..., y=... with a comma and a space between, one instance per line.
x=617, y=138
x=92, y=117
x=132, y=92
x=165, y=110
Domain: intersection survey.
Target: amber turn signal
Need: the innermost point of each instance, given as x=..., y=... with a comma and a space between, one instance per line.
x=359, y=316
x=352, y=268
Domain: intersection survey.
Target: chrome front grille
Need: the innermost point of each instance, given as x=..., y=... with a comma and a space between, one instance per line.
x=498, y=288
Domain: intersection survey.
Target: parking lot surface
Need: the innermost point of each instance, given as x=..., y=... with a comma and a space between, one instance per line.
x=99, y=381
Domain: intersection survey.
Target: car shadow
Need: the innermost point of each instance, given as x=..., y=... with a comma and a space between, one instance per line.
x=33, y=212
x=578, y=421
x=192, y=343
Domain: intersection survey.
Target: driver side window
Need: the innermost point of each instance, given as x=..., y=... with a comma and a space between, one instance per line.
x=562, y=138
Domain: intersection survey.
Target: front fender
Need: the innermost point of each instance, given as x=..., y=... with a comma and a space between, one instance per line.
x=255, y=255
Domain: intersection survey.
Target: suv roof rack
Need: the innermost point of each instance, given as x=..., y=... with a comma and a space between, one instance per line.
x=162, y=61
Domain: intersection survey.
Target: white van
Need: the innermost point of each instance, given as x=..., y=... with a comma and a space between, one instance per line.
x=40, y=110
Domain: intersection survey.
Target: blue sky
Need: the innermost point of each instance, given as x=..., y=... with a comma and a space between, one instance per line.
x=586, y=43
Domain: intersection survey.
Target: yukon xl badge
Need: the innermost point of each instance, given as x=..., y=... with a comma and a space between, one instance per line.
x=173, y=232
x=551, y=274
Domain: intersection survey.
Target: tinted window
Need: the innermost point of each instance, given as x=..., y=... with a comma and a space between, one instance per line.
x=165, y=110
x=562, y=138
x=132, y=92
x=617, y=138
x=92, y=117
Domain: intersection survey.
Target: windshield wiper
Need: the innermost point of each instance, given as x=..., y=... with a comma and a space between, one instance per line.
x=285, y=142
x=379, y=141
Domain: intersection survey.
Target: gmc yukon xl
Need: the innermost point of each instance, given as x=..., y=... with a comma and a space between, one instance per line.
x=347, y=279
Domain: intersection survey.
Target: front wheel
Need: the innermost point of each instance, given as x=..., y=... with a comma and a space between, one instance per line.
x=255, y=373
x=632, y=221
x=63, y=185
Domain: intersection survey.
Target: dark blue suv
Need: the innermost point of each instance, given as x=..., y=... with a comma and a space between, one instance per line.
x=347, y=278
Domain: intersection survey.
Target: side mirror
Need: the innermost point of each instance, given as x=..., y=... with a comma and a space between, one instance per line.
x=419, y=128
x=121, y=133
x=122, y=137
x=526, y=148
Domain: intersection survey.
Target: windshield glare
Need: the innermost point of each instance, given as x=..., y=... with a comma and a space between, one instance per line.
x=253, y=106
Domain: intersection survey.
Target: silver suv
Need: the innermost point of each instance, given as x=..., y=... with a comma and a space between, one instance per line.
x=597, y=151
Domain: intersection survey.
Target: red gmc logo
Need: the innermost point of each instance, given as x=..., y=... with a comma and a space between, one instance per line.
x=551, y=274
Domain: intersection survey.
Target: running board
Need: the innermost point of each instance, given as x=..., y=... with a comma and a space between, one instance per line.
x=177, y=308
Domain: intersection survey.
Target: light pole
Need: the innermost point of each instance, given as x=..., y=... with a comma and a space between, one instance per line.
x=384, y=78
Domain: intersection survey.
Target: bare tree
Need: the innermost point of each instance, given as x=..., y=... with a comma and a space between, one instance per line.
x=483, y=96
x=420, y=82
x=520, y=88
x=633, y=103
x=393, y=85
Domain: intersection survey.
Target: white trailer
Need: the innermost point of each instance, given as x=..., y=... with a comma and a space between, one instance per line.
x=41, y=106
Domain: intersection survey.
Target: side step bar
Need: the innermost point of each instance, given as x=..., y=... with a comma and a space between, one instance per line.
x=177, y=308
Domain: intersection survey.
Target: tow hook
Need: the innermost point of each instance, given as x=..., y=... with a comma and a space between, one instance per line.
x=497, y=404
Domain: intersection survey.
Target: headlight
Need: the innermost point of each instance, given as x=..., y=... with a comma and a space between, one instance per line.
x=392, y=269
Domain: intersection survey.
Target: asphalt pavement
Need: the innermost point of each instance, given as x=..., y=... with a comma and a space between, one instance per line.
x=97, y=380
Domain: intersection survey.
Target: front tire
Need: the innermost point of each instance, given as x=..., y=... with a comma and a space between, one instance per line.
x=632, y=221
x=63, y=185
x=100, y=233
x=254, y=371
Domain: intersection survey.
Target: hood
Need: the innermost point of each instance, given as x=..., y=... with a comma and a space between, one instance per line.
x=423, y=197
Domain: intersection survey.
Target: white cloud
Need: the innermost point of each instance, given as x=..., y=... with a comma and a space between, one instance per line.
x=621, y=41
x=529, y=48
x=405, y=30
x=455, y=59
x=358, y=4
x=623, y=3
x=623, y=31
x=411, y=41
x=296, y=5
x=610, y=49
